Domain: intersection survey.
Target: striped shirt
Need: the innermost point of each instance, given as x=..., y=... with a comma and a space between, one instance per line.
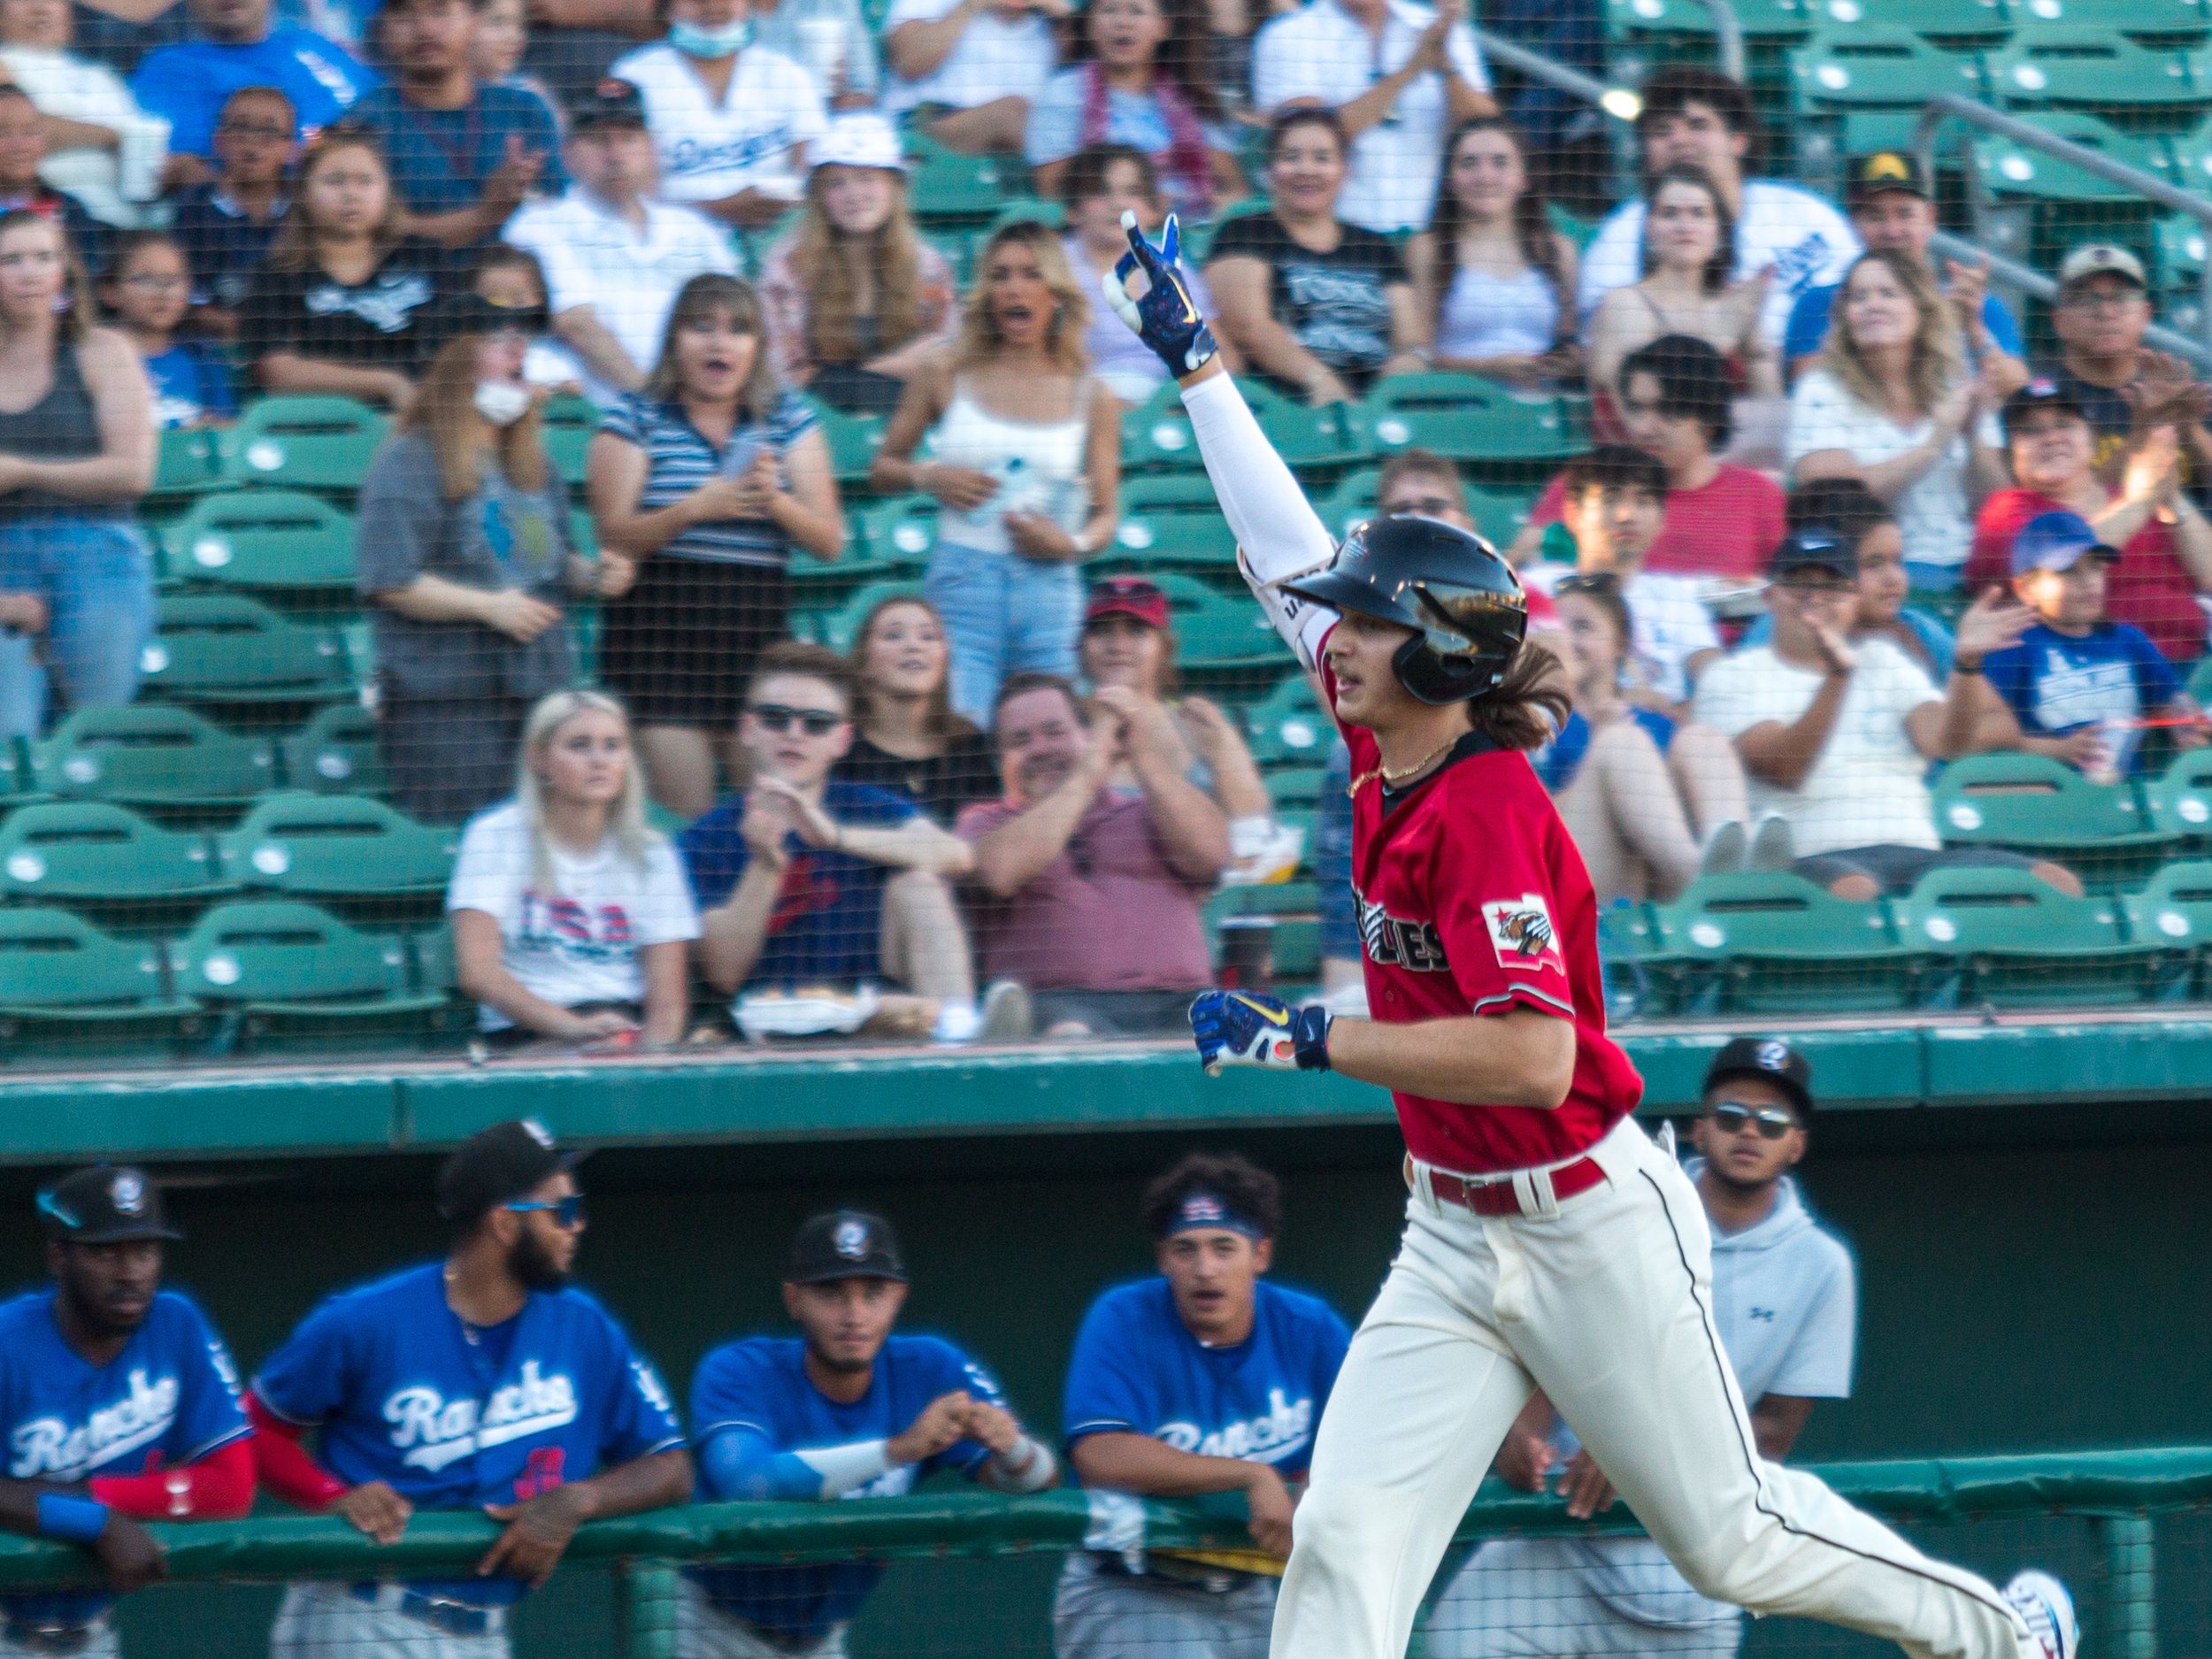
x=678, y=459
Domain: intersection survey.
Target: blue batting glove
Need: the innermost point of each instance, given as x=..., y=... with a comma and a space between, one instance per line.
x=1165, y=318
x=1251, y=1028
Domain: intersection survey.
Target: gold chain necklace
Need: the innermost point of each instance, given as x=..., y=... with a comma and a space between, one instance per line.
x=1391, y=780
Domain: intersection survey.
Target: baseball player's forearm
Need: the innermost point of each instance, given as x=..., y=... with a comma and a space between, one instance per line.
x=1029, y=1466
x=1519, y=1058
x=1153, y=1469
x=283, y=1463
x=738, y=1463
x=654, y=1481
x=217, y=1487
x=1776, y=1420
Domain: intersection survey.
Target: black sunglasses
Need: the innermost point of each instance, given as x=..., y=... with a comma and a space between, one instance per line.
x=567, y=1213
x=782, y=717
x=1732, y=1117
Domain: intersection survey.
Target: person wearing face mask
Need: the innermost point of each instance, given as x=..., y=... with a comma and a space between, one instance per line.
x=731, y=120
x=466, y=563
x=854, y=297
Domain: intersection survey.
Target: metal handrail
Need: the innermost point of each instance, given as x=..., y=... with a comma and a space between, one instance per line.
x=1954, y=106
x=1620, y=102
x=1727, y=37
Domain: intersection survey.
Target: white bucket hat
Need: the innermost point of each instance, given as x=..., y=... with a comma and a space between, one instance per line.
x=859, y=139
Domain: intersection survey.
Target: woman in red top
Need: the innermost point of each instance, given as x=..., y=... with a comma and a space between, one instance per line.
x=2165, y=542
x=1549, y=1241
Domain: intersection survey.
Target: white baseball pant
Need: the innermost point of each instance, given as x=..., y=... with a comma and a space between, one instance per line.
x=100, y=1642
x=703, y=1631
x=328, y=1621
x=1605, y=1304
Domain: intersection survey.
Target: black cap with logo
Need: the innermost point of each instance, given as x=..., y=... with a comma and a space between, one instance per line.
x=844, y=1244
x=493, y=1165
x=1768, y=1058
x=106, y=1204
x=1813, y=548
x=1887, y=170
x=611, y=102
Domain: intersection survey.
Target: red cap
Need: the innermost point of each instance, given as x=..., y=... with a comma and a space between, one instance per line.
x=1127, y=596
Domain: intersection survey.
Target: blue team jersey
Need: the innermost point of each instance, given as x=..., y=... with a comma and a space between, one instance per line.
x=190, y=385
x=2055, y=682
x=440, y=158
x=759, y=1383
x=169, y=1398
x=1137, y=1370
x=402, y=1393
x=189, y=83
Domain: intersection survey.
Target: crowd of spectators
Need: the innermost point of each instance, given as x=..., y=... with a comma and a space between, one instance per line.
x=698, y=216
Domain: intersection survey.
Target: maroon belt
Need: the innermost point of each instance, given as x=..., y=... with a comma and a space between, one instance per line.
x=1496, y=1196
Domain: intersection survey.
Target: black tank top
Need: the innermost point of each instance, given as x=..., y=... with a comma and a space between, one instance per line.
x=62, y=426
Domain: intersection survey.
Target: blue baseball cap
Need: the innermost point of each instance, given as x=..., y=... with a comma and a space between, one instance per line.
x=2057, y=542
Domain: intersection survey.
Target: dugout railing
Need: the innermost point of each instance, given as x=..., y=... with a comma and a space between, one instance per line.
x=2107, y=1520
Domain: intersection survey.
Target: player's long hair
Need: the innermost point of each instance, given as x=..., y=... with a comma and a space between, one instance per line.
x=632, y=836
x=1530, y=705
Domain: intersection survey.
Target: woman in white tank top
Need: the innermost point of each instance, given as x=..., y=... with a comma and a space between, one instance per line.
x=1491, y=276
x=1024, y=452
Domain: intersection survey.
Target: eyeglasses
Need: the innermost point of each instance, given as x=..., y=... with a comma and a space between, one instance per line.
x=147, y=282
x=1733, y=1117
x=266, y=130
x=567, y=1213
x=1590, y=582
x=2118, y=300
x=782, y=717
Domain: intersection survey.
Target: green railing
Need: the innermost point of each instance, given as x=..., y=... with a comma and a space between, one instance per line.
x=2118, y=1494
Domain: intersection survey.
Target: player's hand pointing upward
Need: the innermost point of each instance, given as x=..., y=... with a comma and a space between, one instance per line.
x=1166, y=317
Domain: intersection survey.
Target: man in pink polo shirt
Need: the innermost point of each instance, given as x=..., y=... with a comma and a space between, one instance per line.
x=1088, y=893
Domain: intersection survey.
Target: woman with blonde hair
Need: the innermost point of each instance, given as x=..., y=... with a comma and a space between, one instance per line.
x=344, y=303
x=1026, y=458
x=464, y=558
x=76, y=453
x=855, y=298
x=1892, y=403
x=906, y=737
x=709, y=478
x=572, y=917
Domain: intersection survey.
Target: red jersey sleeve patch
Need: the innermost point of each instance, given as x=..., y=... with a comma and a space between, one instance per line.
x=1522, y=934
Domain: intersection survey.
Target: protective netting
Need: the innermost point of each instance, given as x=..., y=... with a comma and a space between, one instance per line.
x=254, y=685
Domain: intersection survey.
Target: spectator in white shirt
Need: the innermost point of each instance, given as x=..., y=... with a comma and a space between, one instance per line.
x=1700, y=118
x=1836, y=734
x=570, y=916
x=1398, y=75
x=613, y=258
x=1892, y=403
x=101, y=146
x=731, y=119
x=967, y=69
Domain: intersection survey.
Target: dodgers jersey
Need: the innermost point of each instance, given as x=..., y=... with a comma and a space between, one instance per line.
x=759, y=1385
x=454, y=1418
x=1137, y=1370
x=1473, y=898
x=169, y=1398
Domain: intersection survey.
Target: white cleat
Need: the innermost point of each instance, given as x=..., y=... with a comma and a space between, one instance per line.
x=2043, y=1603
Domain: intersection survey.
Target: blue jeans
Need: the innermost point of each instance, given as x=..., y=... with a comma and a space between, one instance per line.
x=1003, y=615
x=97, y=579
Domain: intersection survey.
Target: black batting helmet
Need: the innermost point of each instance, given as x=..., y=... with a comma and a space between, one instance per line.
x=1465, y=604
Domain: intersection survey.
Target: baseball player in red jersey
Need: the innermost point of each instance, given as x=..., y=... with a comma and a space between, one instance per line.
x=1549, y=1241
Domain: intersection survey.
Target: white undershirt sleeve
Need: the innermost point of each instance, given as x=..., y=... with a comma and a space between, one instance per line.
x=1278, y=535
x=844, y=1467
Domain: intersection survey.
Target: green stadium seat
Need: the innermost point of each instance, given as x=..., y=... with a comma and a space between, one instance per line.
x=2035, y=805
x=2150, y=22
x=1288, y=726
x=1172, y=521
x=1025, y=209
x=566, y=426
x=2174, y=912
x=1292, y=909
x=355, y=855
x=1333, y=435
x=280, y=542
x=322, y=443
x=164, y=759
x=1776, y=943
x=947, y=188
x=66, y=984
x=853, y=441
x=1865, y=86
x=1952, y=26
x=1628, y=935
x=1296, y=785
x=2100, y=69
x=184, y=461
x=335, y=753
x=2007, y=939
x=1216, y=632
x=1156, y=434
x=1500, y=509
x=106, y=862
x=2180, y=798
x=1472, y=420
x=888, y=540
x=223, y=649
x=280, y=971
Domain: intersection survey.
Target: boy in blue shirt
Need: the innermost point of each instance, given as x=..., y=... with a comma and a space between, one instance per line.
x=2078, y=687
x=225, y=227
x=806, y=881
x=463, y=154
x=235, y=44
x=844, y=1409
x=1204, y=1378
